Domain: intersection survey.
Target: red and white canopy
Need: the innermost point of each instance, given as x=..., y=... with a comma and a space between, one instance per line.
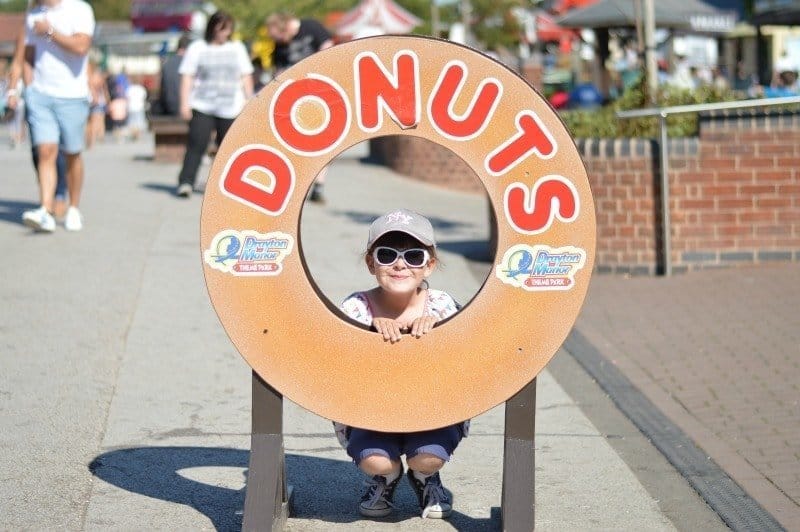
x=376, y=17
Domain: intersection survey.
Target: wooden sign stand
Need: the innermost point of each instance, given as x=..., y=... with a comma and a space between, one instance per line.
x=268, y=500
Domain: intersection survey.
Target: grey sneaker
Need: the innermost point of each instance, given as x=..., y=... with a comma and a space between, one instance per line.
x=39, y=220
x=433, y=499
x=184, y=190
x=73, y=221
x=377, y=500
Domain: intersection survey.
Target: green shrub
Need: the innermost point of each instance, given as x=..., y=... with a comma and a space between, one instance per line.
x=603, y=122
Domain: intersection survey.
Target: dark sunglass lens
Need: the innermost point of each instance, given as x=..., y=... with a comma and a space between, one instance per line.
x=414, y=257
x=386, y=255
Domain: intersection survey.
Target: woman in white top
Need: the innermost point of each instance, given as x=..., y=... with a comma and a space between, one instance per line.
x=216, y=81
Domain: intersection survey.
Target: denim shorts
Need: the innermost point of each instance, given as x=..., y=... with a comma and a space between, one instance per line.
x=438, y=442
x=57, y=120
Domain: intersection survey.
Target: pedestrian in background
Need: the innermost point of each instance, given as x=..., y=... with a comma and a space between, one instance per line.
x=169, y=93
x=57, y=41
x=295, y=39
x=136, y=96
x=216, y=81
x=98, y=105
x=20, y=76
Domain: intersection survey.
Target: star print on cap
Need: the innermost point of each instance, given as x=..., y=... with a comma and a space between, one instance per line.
x=404, y=221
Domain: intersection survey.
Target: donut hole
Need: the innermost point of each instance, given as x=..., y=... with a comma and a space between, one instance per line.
x=333, y=235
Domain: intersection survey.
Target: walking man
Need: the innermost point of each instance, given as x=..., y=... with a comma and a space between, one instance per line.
x=58, y=37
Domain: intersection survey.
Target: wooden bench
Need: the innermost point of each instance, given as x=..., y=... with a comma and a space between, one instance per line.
x=171, y=133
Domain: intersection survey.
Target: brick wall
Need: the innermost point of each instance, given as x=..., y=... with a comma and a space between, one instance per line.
x=734, y=192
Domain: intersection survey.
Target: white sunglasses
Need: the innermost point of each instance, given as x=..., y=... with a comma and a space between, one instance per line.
x=414, y=257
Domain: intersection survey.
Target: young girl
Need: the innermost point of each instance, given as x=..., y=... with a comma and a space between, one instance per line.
x=401, y=254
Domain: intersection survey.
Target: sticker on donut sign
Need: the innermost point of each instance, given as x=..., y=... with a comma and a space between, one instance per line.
x=534, y=179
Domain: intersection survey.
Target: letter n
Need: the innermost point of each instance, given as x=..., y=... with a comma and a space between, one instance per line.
x=377, y=90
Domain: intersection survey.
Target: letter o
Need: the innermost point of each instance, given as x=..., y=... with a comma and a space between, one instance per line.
x=484, y=354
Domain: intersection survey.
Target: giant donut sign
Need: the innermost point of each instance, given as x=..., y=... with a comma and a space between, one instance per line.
x=506, y=133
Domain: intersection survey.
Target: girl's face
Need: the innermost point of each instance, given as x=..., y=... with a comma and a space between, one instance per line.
x=400, y=277
x=223, y=32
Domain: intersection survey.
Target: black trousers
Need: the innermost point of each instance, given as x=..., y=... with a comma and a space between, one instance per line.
x=200, y=127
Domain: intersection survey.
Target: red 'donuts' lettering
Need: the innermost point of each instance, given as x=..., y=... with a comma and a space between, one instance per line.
x=270, y=199
x=532, y=137
x=313, y=90
x=479, y=113
x=533, y=211
x=377, y=89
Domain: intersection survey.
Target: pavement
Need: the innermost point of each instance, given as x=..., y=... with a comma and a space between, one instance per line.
x=673, y=405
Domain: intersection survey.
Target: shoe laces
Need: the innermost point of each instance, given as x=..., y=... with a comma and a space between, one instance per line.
x=433, y=494
x=377, y=492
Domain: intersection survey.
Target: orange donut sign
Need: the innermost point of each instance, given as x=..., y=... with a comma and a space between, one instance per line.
x=535, y=181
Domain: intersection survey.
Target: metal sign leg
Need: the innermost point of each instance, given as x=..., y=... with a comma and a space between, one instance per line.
x=517, y=500
x=267, y=502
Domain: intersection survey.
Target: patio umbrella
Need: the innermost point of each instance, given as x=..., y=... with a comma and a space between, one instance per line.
x=692, y=15
x=376, y=17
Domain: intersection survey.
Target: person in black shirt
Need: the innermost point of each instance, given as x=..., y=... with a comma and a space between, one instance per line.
x=295, y=39
x=171, y=80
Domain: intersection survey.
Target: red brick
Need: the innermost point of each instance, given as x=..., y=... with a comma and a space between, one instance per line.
x=758, y=189
x=773, y=230
x=719, y=190
x=789, y=216
x=758, y=216
x=696, y=177
x=606, y=231
x=697, y=204
x=717, y=163
x=774, y=175
x=772, y=203
x=777, y=149
x=735, y=230
x=717, y=217
x=756, y=162
x=717, y=243
x=728, y=203
x=632, y=165
x=694, y=230
x=740, y=149
x=742, y=176
x=789, y=190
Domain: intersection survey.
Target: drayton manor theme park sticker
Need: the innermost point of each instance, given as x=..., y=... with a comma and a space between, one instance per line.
x=248, y=252
x=541, y=267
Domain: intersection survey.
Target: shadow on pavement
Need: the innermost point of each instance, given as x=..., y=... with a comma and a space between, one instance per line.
x=324, y=489
x=11, y=211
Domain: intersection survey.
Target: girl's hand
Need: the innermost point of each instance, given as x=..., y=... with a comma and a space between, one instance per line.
x=389, y=329
x=423, y=325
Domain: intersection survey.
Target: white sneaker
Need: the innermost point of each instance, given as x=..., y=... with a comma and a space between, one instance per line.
x=184, y=190
x=40, y=220
x=73, y=221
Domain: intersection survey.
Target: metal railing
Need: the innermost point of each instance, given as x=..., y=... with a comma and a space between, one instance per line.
x=663, y=113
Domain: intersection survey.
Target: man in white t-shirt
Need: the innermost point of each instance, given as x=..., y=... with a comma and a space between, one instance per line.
x=58, y=37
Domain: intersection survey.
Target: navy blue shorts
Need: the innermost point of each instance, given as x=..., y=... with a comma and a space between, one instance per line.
x=438, y=442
